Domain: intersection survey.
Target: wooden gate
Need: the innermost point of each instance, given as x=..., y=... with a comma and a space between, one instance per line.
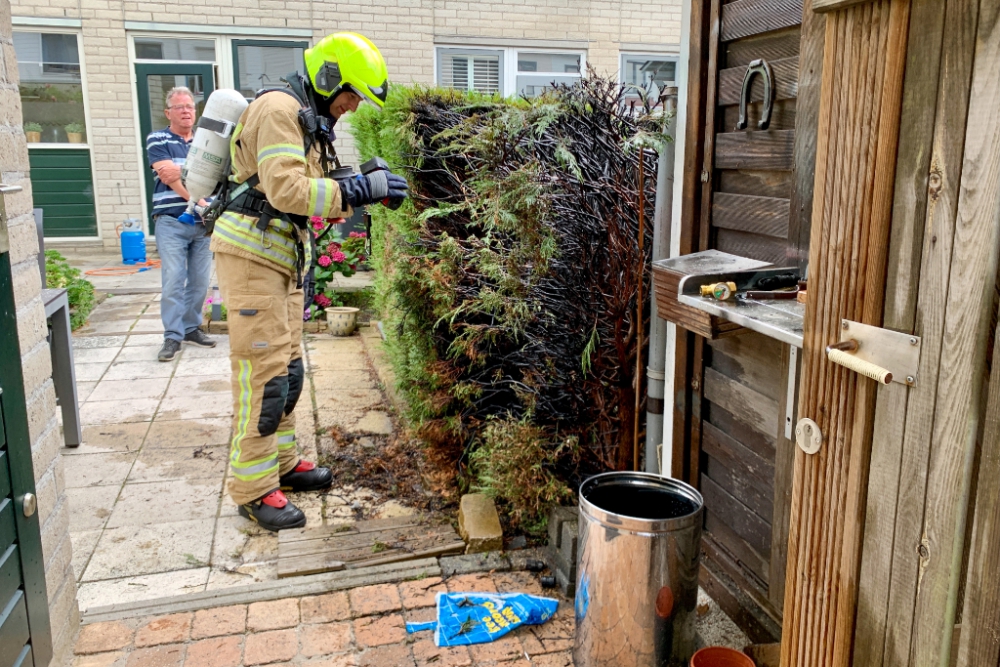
x=751, y=200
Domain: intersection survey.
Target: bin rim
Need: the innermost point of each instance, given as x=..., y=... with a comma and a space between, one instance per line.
x=637, y=524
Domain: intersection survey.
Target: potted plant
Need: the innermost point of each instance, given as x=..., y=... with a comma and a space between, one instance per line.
x=33, y=132
x=343, y=256
x=74, y=133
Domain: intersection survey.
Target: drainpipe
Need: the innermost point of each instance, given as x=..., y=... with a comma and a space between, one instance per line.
x=658, y=328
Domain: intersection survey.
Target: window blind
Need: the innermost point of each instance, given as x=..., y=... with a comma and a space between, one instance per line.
x=470, y=72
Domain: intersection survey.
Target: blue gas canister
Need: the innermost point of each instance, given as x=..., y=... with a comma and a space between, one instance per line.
x=133, y=242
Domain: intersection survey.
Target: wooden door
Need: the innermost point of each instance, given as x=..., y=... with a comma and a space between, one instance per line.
x=25, y=635
x=738, y=387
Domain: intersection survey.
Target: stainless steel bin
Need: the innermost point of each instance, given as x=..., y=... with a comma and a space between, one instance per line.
x=637, y=580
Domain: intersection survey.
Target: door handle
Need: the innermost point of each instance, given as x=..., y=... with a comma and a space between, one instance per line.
x=29, y=503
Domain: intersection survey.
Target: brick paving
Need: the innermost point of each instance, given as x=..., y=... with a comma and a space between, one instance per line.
x=356, y=628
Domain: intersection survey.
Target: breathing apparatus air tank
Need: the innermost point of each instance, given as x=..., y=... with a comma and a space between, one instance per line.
x=207, y=161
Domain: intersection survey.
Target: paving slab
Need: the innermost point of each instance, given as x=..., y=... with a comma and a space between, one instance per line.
x=166, y=502
x=129, y=551
x=110, y=438
x=84, y=542
x=90, y=372
x=83, y=390
x=109, y=469
x=90, y=506
x=144, y=325
x=144, y=340
x=200, y=384
x=221, y=349
x=196, y=406
x=189, y=432
x=118, y=412
x=140, y=352
x=142, y=587
x=113, y=390
x=181, y=463
x=88, y=342
x=135, y=370
x=203, y=366
x=94, y=355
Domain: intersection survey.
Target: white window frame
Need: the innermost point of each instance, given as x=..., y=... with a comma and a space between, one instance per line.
x=648, y=56
x=25, y=27
x=508, y=61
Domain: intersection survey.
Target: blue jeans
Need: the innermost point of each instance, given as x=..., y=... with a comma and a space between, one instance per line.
x=186, y=266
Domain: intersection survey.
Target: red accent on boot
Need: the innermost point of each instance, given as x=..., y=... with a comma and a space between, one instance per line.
x=304, y=466
x=275, y=499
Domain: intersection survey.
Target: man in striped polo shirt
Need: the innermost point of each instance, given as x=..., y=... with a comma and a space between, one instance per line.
x=184, y=248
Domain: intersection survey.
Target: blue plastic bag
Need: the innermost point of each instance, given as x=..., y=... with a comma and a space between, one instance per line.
x=478, y=618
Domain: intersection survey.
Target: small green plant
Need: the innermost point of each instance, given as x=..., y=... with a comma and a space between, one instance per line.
x=74, y=128
x=32, y=127
x=79, y=291
x=379, y=547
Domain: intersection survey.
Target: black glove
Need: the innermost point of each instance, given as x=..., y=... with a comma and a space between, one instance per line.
x=308, y=287
x=378, y=186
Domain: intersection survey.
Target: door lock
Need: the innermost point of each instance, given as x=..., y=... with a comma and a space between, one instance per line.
x=29, y=503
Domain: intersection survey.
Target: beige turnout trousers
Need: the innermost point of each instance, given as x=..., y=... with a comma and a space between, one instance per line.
x=265, y=334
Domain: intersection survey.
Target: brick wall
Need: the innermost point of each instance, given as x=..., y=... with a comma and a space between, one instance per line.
x=405, y=31
x=46, y=435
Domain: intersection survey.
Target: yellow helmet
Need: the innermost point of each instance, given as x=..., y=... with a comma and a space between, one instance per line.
x=347, y=61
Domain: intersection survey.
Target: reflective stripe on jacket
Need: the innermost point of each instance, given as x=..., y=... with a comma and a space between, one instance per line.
x=269, y=141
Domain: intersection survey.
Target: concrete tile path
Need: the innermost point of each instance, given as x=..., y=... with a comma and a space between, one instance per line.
x=149, y=514
x=361, y=627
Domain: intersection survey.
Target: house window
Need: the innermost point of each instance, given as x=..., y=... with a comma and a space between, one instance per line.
x=471, y=69
x=177, y=50
x=51, y=87
x=261, y=63
x=650, y=72
x=507, y=71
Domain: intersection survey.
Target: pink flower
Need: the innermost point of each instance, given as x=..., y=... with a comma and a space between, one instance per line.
x=322, y=300
x=333, y=247
x=315, y=218
x=317, y=224
x=338, y=256
x=358, y=235
x=324, y=261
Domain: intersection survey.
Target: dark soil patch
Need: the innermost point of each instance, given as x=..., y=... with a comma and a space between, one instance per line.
x=394, y=466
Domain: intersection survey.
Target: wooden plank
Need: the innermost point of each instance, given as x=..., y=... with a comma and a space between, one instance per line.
x=326, y=561
x=759, y=183
x=772, y=46
x=856, y=150
x=806, y=123
x=761, y=444
x=755, y=150
x=744, y=522
x=833, y=5
x=750, y=360
x=745, y=18
x=784, y=467
x=968, y=313
x=783, y=115
x=755, y=215
x=749, y=406
x=786, y=82
x=737, y=605
x=711, y=110
x=349, y=528
x=690, y=234
x=728, y=451
x=750, y=491
x=979, y=643
x=878, y=592
x=754, y=246
x=338, y=543
x=729, y=552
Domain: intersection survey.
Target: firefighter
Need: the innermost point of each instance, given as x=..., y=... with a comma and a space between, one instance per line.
x=280, y=153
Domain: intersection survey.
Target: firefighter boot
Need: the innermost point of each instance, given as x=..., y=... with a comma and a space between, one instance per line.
x=306, y=476
x=273, y=512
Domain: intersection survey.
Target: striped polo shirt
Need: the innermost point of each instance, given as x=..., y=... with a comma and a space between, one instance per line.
x=165, y=145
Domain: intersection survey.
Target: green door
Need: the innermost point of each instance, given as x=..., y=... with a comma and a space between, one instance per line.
x=25, y=635
x=153, y=82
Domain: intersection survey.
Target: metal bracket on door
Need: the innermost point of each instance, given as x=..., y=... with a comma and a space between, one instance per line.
x=884, y=356
x=761, y=67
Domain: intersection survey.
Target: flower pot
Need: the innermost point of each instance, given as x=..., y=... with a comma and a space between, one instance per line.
x=33, y=137
x=718, y=656
x=75, y=137
x=342, y=321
